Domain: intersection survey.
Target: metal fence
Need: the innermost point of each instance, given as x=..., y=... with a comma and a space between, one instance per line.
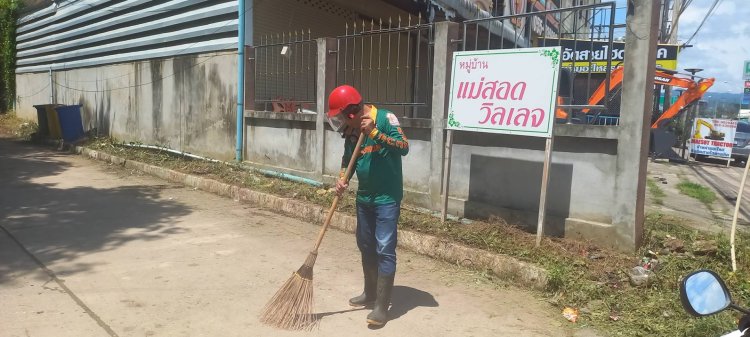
x=285, y=70
x=585, y=34
x=390, y=62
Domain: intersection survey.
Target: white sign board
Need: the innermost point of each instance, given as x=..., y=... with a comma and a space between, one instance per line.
x=713, y=137
x=511, y=91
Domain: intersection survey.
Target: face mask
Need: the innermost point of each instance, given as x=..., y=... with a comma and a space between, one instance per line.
x=338, y=122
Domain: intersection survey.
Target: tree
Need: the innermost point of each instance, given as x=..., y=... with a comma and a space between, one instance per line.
x=8, y=17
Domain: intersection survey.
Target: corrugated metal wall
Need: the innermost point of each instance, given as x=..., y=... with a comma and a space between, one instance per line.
x=84, y=33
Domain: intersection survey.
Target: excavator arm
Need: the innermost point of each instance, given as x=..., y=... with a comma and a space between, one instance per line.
x=693, y=92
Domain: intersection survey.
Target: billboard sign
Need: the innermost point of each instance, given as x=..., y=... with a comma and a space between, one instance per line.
x=510, y=91
x=713, y=137
x=591, y=56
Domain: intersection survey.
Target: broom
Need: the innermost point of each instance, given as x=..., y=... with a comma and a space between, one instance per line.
x=291, y=307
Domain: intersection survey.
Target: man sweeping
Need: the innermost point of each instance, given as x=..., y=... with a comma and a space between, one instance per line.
x=379, y=194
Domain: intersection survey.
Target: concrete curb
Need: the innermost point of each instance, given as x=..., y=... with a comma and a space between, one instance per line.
x=506, y=267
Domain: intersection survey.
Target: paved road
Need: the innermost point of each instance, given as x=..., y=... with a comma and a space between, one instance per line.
x=88, y=249
x=726, y=181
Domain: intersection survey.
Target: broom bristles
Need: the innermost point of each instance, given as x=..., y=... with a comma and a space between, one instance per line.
x=292, y=305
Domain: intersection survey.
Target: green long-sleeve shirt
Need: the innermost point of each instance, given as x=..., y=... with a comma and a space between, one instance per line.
x=379, y=166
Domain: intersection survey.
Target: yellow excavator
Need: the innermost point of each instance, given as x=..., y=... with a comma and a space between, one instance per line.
x=713, y=134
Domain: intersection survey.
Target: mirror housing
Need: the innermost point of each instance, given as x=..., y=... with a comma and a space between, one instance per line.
x=704, y=293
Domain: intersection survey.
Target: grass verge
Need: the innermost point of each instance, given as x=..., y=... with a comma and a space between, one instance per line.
x=15, y=127
x=581, y=275
x=657, y=194
x=697, y=191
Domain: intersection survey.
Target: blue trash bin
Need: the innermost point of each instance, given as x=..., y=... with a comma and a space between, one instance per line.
x=71, y=123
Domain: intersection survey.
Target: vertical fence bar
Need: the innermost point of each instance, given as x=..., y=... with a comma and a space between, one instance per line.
x=354, y=51
x=502, y=33
x=398, y=60
x=380, y=45
x=388, y=60
x=372, y=50
x=288, y=75
x=362, y=55
x=591, y=64
x=266, y=75
x=417, y=69
x=250, y=81
x=430, y=62
x=607, y=83
x=476, y=36
x=409, y=74
x=339, y=56
x=294, y=76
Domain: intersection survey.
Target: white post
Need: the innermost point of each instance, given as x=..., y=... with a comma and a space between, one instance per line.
x=736, y=214
x=446, y=174
x=543, y=196
x=51, y=88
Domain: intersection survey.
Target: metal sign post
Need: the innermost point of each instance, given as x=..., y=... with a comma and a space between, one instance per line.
x=446, y=174
x=505, y=91
x=543, y=195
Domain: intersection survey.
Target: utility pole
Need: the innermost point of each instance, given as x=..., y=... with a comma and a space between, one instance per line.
x=671, y=38
x=689, y=115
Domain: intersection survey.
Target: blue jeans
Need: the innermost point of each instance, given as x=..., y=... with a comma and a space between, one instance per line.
x=377, y=235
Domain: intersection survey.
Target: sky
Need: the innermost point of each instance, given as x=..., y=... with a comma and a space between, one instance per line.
x=720, y=47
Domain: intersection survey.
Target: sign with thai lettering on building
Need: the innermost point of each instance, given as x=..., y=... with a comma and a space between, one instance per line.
x=511, y=91
x=587, y=56
x=546, y=25
x=517, y=7
x=713, y=137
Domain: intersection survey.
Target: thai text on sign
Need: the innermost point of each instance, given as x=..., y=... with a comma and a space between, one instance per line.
x=505, y=91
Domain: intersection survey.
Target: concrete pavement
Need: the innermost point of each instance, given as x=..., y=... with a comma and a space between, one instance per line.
x=88, y=249
x=726, y=182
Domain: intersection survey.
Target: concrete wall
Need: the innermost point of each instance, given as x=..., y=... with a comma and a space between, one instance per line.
x=186, y=103
x=491, y=175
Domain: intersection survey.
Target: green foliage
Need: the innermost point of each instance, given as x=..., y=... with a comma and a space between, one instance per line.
x=697, y=191
x=8, y=17
x=657, y=194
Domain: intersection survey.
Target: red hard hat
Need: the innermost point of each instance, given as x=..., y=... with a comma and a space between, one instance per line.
x=342, y=97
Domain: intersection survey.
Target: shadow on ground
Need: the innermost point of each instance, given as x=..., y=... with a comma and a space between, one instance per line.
x=403, y=300
x=61, y=224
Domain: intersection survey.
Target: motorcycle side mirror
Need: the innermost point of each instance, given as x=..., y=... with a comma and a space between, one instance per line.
x=704, y=293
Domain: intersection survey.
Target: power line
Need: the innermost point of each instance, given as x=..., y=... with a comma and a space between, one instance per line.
x=710, y=12
x=36, y=93
x=142, y=84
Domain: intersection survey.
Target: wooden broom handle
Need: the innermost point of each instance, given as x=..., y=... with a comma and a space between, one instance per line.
x=347, y=176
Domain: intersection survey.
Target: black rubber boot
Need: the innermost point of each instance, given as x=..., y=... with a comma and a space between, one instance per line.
x=379, y=314
x=371, y=283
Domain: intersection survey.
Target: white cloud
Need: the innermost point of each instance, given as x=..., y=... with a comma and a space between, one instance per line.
x=721, y=45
